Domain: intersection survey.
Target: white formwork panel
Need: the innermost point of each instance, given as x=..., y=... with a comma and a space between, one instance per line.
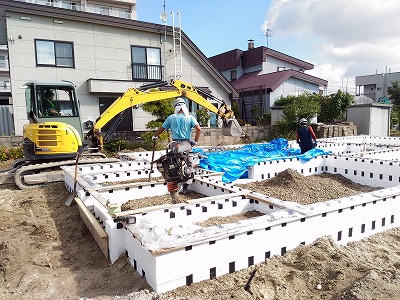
x=372, y=172
x=357, y=139
x=340, y=148
x=141, y=155
x=353, y=222
x=268, y=169
x=141, y=259
x=112, y=166
x=193, y=263
x=383, y=140
x=115, y=177
x=120, y=194
x=210, y=187
x=365, y=139
x=116, y=239
x=119, y=176
x=91, y=173
x=392, y=154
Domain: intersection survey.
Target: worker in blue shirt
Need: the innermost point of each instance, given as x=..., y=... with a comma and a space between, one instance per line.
x=181, y=123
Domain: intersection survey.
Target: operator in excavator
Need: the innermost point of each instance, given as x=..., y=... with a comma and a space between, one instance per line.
x=49, y=105
x=181, y=123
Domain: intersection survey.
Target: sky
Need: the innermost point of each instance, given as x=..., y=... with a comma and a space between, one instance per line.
x=341, y=38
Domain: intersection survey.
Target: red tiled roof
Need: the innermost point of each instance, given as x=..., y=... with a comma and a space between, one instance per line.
x=227, y=60
x=272, y=81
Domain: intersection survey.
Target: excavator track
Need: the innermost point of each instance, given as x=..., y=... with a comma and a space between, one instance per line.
x=31, y=176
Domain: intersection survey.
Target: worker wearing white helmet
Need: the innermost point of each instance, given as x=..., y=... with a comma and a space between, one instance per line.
x=305, y=136
x=181, y=123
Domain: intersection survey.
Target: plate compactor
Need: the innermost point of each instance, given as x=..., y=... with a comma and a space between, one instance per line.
x=176, y=166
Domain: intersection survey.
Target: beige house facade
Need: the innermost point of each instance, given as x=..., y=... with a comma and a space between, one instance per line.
x=101, y=54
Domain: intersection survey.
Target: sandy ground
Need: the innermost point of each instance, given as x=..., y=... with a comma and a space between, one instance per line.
x=46, y=252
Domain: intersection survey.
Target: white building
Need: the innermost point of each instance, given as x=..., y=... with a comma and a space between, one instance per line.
x=5, y=90
x=102, y=49
x=375, y=86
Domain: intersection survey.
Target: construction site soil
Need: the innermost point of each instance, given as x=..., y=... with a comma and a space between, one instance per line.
x=46, y=252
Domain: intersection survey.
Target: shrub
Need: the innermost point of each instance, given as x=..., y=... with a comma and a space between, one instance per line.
x=11, y=153
x=296, y=107
x=203, y=116
x=112, y=147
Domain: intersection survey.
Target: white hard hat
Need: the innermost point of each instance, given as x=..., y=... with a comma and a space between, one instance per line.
x=179, y=102
x=303, y=121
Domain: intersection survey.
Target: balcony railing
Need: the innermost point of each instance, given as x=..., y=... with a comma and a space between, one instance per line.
x=146, y=72
x=108, y=11
x=5, y=86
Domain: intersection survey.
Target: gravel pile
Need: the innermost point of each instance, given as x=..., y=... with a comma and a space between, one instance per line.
x=289, y=185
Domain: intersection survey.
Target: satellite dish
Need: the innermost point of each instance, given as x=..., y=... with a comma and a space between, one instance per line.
x=164, y=17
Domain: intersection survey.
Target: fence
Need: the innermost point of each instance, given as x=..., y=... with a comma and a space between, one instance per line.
x=6, y=121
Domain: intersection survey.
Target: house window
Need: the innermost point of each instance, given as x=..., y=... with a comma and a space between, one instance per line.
x=54, y=53
x=233, y=75
x=146, y=63
x=3, y=63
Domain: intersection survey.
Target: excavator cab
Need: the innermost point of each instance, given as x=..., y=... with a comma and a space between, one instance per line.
x=54, y=131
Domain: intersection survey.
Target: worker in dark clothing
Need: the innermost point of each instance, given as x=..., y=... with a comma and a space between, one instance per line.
x=49, y=104
x=305, y=137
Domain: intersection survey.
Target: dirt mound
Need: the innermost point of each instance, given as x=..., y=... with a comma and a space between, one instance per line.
x=289, y=185
x=289, y=176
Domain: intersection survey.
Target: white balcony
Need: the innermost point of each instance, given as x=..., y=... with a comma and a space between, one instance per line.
x=91, y=8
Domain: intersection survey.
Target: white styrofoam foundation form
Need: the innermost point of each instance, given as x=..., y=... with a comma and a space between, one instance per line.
x=168, y=247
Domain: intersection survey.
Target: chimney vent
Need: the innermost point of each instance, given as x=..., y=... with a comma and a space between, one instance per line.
x=251, y=44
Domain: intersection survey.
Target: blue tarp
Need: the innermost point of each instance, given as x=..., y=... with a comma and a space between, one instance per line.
x=234, y=163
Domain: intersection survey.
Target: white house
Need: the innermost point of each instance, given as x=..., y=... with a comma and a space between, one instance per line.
x=102, y=49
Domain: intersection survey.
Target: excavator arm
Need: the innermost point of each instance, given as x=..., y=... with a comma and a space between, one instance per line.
x=198, y=96
x=136, y=96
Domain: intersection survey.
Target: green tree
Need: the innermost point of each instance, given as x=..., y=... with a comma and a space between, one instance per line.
x=203, y=116
x=394, y=93
x=295, y=108
x=334, y=107
x=161, y=110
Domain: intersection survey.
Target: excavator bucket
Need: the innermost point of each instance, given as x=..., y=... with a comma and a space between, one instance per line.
x=232, y=128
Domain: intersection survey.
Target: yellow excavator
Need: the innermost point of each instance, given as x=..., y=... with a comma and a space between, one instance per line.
x=55, y=139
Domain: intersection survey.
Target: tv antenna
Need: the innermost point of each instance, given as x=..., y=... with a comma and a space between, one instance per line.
x=164, y=16
x=268, y=33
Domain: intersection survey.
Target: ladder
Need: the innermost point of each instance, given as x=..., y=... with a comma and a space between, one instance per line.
x=177, y=37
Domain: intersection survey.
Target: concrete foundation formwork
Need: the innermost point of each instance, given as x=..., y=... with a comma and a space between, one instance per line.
x=169, y=246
